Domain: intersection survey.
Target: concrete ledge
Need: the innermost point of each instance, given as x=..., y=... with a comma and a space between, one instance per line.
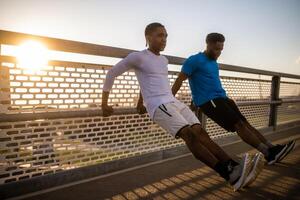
x=66, y=177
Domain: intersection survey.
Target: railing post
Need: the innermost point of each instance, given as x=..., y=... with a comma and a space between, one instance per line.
x=274, y=97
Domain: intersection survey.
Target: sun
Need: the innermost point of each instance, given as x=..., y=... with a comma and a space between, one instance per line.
x=32, y=55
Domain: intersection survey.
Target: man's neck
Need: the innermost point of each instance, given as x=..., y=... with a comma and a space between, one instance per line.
x=156, y=52
x=207, y=55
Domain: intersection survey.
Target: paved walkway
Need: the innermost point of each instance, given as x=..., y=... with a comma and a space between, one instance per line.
x=185, y=178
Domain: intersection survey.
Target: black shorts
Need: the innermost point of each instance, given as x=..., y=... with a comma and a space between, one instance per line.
x=224, y=112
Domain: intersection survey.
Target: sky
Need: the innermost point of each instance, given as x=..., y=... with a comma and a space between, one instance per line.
x=261, y=34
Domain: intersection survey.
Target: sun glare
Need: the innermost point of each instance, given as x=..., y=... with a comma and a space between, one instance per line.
x=32, y=55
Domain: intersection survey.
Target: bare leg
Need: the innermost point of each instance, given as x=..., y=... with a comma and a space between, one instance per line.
x=200, y=152
x=206, y=141
x=258, y=134
x=246, y=134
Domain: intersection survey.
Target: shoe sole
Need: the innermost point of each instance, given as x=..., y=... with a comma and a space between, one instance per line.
x=278, y=155
x=289, y=149
x=246, y=169
x=256, y=170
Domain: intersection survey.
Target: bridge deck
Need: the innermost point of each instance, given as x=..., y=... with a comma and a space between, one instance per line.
x=184, y=178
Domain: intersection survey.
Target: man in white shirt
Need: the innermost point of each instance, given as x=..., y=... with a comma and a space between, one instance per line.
x=175, y=117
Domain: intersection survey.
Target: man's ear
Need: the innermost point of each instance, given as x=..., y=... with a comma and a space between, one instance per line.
x=208, y=46
x=147, y=39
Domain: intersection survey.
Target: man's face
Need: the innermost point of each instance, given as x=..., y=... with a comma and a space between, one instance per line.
x=214, y=50
x=158, y=39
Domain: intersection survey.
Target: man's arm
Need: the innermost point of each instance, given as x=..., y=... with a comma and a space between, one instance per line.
x=121, y=67
x=176, y=86
x=140, y=107
x=108, y=83
x=106, y=109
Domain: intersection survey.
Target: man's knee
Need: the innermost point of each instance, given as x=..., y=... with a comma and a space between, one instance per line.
x=201, y=131
x=240, y=125
x=187, y=134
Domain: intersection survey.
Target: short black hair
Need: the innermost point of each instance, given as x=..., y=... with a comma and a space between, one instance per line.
x=151, y=27
x=215, y=37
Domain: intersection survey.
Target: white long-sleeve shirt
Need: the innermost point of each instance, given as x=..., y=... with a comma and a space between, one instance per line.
x=152, y=74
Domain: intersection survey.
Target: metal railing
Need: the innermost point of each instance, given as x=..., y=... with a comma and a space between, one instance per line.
x=50, y=120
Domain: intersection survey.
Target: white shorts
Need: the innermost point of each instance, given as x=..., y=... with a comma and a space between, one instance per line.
x=174, y=116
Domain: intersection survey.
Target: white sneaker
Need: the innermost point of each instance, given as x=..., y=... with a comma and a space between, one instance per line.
x=258, y=165
x=246, y=165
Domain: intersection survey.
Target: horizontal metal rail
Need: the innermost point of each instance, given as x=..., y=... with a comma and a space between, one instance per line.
x=11, y=59
x=37, y=115
x=15, y=38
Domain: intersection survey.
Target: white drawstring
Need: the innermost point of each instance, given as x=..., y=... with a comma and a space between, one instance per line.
x=212, y=102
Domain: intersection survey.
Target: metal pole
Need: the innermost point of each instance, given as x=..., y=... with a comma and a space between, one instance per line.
x=274, y=96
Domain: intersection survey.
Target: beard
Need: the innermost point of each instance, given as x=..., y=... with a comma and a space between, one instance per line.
x=211, y=56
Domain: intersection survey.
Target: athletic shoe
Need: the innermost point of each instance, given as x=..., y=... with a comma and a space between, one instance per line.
x=275, y=153
x=258, y=165
x=246, y=165
x=290, y=147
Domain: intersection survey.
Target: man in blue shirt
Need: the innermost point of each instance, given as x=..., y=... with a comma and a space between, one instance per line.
x=202, y=71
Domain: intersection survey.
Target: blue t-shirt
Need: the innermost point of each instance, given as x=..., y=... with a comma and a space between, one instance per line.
x=204, y=78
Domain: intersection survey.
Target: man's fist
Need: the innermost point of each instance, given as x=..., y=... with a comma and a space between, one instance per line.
x=141, y=109
x=107, y=110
